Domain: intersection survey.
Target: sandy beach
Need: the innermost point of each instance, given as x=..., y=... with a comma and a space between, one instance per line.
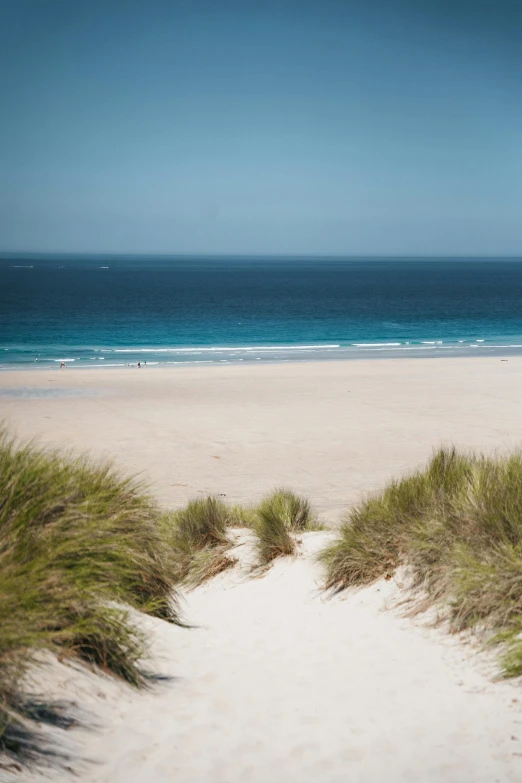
x=274, y=680
x=331, y=430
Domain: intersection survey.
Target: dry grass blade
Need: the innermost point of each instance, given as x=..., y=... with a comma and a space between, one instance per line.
x=208, y=563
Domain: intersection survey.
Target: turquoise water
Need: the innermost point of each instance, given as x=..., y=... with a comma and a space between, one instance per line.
x=113, y=311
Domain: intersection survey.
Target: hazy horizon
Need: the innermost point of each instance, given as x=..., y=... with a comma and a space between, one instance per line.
x=73, y=254
x=368, y=129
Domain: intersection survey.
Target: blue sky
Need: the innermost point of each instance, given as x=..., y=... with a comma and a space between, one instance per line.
x=330, y=127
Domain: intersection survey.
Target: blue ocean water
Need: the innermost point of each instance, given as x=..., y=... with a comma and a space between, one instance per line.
x=113, y=311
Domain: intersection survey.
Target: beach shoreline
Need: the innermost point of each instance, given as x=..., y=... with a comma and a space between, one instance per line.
x=246, y=355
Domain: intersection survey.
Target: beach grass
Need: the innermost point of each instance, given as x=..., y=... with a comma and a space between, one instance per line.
x=457, y=526
x=295, y=511
x=79, y=545
x=199, y=540
x=277, y=518
x=242, y=516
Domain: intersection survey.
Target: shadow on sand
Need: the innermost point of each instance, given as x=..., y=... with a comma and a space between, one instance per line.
x=32, y=742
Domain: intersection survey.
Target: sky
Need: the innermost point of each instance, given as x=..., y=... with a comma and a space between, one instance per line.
x=372, y=127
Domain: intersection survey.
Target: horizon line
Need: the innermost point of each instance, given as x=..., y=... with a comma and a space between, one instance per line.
x=192, y=254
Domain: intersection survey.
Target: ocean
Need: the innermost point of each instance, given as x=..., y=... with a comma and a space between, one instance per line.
x=99, y=311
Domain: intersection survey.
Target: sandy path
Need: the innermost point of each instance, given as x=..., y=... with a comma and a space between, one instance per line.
x=279, y=684
x=332, y=430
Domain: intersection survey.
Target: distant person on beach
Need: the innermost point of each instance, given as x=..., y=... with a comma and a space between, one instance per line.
x=62, y=364
x=139, y=364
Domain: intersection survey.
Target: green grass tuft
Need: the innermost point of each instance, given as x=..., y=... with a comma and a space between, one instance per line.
x=77, y=544
x=199, y=540
x=241, y=516
x=458, y=527
x=277, y=517
x=273, y=539
x=375, y=535
x=294, y=510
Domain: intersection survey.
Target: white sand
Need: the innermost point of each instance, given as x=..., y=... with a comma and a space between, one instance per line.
x=332, y=430
x=279, y=684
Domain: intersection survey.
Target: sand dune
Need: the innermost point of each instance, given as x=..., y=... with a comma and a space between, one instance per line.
x=278, y=683
x=275, y=682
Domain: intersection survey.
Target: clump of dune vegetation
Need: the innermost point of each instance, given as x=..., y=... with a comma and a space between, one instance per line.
x=79, y=545
x=199, y=540
x=241, y=516
x=294, y=510
x=457, y=526
x=199, y=534
x=277, y=518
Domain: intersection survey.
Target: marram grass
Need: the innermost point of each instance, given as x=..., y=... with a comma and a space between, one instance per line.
x=277, y=518
x=457, y=526
x=294, y=511
x=241, y=516
x=77, y=544
x=199, y=541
